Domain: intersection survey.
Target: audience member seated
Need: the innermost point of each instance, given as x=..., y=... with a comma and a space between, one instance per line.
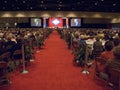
x=115, y=65
x=9, y=44
x=108, y=54
x=116, y=41
x=104, y=57
x=79, y=58
x=76, y=42
x=97, y=47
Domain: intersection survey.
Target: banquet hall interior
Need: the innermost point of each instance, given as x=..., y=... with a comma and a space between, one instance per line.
x=60, y=44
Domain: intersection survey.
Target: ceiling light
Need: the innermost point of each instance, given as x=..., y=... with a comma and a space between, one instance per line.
x=31, y=7
x=3, y=7
x=18, y=8
x=59, y=8
x=96, y=3
x=24, y=2
x=78, y=2
x=42, y=1
x=60, y=1
x=114, y=4
x=5, y=1
x=45, y=8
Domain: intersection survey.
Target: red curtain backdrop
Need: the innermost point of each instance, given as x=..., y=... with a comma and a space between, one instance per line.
x=55, y=22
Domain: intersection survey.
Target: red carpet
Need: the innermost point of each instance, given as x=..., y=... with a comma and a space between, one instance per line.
x=53, y=70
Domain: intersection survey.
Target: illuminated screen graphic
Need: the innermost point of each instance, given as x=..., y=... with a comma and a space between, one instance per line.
x=55, y=22
x=36, y=22
x=75, y=22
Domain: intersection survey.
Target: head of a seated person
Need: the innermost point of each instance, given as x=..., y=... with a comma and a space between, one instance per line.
x=119, y=34
x=109, y=45
x=76, y=36
x=19, y=40
x=116, y=41
x=97, y=38
x=116, y=52
x=8, y=38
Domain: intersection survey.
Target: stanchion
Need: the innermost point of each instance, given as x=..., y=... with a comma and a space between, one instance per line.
x=85, y=70
x=71, y=41
x=24, y=71
x=31, y=51
x=37, y=45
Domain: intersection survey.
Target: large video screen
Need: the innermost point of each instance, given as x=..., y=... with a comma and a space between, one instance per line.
x=55, y=22
x=36, y=22
x=75, y=22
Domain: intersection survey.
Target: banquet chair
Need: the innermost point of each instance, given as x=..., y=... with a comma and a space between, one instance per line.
x=9, y=47
x=114, y=78
x=6, y=57
x=97, y=50
x=96, y=53
x=17, y=57
x=98, y=70
x=4, y=75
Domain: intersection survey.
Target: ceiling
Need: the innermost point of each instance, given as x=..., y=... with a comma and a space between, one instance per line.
x=61, y=5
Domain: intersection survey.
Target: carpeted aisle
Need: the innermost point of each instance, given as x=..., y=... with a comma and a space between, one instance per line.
x=53, y=70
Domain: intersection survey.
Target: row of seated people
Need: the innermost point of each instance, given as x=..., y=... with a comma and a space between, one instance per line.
x=94, y=39
x=107, y=65
x=107, y=60
x=15, y=43
x=96, y=49
x=74, y=36
x=9, y=42
x=12, y=40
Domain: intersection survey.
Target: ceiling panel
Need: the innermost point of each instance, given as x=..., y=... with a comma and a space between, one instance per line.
x=61, y=5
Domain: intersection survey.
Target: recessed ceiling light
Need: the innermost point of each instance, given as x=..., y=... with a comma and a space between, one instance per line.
x=60, y=1
x=96, y=3
x=59, y=5
x=45, y=8
x=73, y=8
x=42, y=1
x=31, y=7
x=5, y=1
x=78, y=2
x=24, y=2
x=3, y=7
x=18, y=8
x=59, y=8
x=114, y=4
x=12, y=5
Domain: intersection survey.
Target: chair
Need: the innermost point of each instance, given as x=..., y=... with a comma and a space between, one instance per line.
x=114, y=77
x=96, y=53
x=17, y=57
x=9, y=47
x=97, y=49
x=99, y=67
x=6, y=56
x=4, y=75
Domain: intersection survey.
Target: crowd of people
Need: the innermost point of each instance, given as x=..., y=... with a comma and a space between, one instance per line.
x=102, y=43
x=13, y=39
